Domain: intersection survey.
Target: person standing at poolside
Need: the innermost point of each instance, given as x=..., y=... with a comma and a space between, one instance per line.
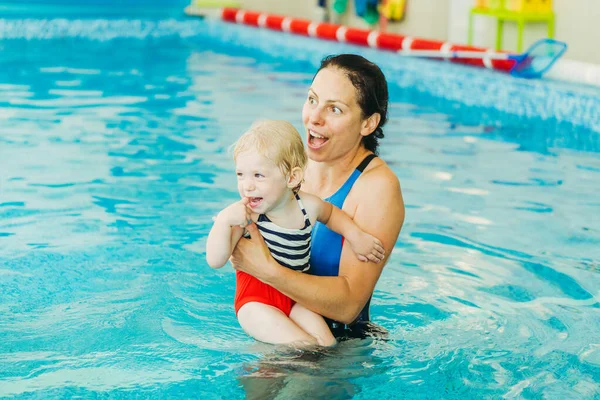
x=344, y=113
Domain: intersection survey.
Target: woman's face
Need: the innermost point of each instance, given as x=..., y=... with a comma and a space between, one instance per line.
x=332, y=116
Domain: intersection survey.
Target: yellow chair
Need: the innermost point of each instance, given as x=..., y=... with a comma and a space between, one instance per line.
x=519, y=11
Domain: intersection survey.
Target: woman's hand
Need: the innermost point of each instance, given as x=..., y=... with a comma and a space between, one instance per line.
x=253, y=257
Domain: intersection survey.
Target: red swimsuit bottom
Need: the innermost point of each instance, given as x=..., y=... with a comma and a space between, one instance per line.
x=249, y=289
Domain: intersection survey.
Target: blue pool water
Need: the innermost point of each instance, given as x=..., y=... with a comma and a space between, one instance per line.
x=113, y=159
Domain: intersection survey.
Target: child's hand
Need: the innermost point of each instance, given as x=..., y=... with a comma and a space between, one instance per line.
x=367, y=247
x=237, y=214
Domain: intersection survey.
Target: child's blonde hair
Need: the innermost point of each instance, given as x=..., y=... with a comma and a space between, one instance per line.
x=276, y=140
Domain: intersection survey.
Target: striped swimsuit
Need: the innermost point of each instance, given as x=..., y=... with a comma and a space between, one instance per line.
x=290, y=248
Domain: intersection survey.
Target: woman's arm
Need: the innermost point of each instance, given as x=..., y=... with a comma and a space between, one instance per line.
x=379, y=211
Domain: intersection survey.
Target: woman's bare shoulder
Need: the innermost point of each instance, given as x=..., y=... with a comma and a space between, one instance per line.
x=378, y=204
x=379, y=180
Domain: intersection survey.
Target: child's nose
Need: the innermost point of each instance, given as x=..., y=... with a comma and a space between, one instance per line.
x=249, y=186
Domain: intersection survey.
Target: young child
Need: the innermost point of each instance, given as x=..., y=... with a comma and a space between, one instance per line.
x=270, y=162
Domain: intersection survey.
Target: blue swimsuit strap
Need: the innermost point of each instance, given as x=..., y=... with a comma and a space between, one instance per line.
x=338, y=198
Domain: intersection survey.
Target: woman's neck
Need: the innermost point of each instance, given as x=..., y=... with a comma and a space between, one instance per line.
x=325, y=178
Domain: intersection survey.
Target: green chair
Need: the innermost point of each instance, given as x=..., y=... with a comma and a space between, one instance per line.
x=520, y=17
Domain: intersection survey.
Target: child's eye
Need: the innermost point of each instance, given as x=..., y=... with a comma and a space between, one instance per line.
x=259, y=176
x=239, y=174
x=336, y=110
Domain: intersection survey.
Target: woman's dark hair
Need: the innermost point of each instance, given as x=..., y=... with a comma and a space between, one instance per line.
x=371, y=88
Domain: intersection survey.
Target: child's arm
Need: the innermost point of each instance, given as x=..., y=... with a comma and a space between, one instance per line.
x=365, y=246
x=225, y=233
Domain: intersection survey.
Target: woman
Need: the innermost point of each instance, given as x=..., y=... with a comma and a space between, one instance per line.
x=344, y=113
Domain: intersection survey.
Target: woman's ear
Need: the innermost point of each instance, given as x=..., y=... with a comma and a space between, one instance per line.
x=370, y=124
x=295, y=177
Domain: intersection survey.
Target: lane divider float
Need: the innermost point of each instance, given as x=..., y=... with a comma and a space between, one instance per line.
x=387, y=41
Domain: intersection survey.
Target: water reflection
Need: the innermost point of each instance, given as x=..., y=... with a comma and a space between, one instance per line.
x=316, y=374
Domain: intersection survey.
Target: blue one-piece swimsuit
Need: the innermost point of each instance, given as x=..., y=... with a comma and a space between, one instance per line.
x=325, y=256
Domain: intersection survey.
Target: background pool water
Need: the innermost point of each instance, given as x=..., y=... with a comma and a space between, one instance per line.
x=113, y=159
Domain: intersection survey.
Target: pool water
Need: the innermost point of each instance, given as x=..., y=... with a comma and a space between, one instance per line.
x=113, y=159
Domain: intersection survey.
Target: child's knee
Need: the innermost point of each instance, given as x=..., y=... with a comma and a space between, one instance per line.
x=327, y=341
x=304, y=343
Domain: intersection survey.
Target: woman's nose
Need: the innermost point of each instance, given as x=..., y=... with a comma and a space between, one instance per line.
x=316, y=116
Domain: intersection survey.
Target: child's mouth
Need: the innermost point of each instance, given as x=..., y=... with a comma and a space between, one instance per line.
x=255, y=202
x=315, y=140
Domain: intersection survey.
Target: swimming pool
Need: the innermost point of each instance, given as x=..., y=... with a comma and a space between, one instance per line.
x=113, y=158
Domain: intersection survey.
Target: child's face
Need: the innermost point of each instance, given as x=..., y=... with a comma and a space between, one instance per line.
x=261, y=180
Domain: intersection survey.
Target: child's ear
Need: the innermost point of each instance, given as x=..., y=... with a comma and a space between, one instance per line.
x=295, y=178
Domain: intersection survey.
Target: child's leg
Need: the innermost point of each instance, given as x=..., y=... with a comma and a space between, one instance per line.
x=312, y=323
x=270, y=325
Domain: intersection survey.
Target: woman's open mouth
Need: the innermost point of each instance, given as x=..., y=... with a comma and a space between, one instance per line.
x=316, y=141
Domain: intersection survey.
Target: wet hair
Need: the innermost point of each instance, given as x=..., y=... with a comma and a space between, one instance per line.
x=277, y=141
x=371, y=89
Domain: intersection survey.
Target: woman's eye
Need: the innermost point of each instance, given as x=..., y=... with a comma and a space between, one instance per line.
x=336, y=110
x=312, y=100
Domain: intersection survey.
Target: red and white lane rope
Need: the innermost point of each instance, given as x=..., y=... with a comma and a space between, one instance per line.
x=363, y=37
